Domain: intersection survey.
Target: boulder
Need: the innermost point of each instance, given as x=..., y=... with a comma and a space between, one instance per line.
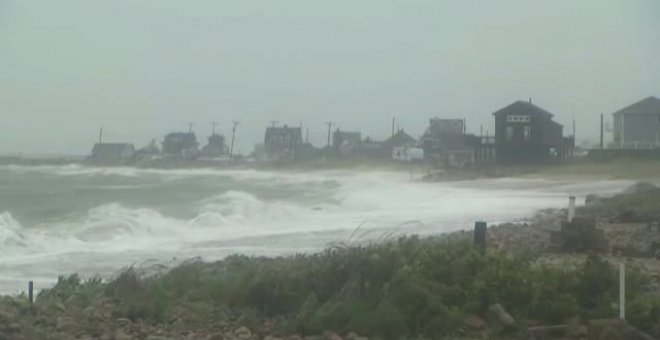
x=639, y=187
x=243, y=333
x=498, y=315
x=353, y=336
x=608, y=329
x=331, y=336
x=592, y=199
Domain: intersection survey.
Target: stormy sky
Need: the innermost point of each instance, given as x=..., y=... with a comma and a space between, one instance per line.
x=142, y=68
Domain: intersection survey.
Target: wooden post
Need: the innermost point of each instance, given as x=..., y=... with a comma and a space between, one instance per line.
x=31, y=292
x=480, y=229
x=622, y=291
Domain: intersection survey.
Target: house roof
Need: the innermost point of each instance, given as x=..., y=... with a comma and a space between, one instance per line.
x=523, y=107
x=650, y=105
x=285, y=130
x=345, y=135
x=181, y=136
x=399, y=139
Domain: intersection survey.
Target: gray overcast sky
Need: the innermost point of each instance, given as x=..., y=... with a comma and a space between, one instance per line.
x=142, y=68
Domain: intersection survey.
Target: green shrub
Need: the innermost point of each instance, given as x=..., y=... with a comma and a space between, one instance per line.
x=402, y=288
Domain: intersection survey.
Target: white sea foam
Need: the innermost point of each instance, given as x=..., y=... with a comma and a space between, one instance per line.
x=322, y=208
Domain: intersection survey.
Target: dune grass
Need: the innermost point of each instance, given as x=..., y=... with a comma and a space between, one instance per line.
x=404, y=288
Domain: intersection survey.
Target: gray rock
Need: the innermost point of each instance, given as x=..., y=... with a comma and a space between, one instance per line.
x=592, y=199
x=331, y=336
x=608, y=329
x=353, y=336
x=243, y=333
x=639, y=187
x=497, y=314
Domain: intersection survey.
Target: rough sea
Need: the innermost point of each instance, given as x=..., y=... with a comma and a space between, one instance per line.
x=59, y=220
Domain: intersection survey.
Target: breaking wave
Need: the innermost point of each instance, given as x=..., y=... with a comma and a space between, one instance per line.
x=112, y=217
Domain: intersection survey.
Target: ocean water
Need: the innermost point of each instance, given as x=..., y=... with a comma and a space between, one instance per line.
x=58, y=220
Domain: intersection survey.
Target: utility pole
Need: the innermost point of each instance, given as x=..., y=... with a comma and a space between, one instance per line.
x=190, y=127
x=601, y=131
x=233, y=136
x=101, y=135
x=306, y=135
x=573, y=128
x=393, y=122
x=273, y=123
x=329, y=131
x=213, y=125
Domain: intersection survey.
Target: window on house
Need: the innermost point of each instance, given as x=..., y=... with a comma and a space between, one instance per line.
x=518, y=119
x=509, y=133
x=527, y=133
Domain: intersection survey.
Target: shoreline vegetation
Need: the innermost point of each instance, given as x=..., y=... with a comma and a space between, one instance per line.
x=439, y=287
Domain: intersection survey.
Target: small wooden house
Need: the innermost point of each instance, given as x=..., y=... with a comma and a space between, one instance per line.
x=445, y=143
x=347, y=143
x=526, y=133
x=216, y=146
x=112, y=152
x=281, y=143
x=180, y=144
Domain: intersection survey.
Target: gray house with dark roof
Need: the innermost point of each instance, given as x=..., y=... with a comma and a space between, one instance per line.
x=638, y=126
